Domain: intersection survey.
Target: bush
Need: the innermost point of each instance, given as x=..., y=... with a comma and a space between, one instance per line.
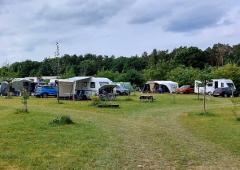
x=235, y=102
x=63, y=120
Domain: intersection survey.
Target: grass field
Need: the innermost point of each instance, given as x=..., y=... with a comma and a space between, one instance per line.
x=165, y=134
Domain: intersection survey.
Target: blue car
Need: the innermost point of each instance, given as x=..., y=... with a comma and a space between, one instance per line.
x=45, y=91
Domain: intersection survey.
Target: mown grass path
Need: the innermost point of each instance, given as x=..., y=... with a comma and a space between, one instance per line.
x=135, y=136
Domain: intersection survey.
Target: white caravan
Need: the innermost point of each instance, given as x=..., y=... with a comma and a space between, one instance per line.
x=73, y=86
x=212, y=85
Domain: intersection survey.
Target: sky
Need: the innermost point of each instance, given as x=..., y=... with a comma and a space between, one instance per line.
x=29, y=29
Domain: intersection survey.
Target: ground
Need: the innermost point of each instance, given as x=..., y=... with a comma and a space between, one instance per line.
x=169, y=133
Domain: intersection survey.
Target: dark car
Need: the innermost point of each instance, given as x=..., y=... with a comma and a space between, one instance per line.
x=45, y=91
x=225, y=92
x=185, y=89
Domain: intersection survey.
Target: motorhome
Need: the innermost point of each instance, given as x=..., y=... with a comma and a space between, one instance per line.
x=160, y=87
x=73, y=87
x=212, y=85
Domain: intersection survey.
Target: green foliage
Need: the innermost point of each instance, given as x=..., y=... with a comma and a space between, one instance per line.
x=95, y=101
x=25, y=97
x=114, y=76
x=69, y=73
x=191, y=62
x=230, y=71
x=184, y=75
x=236, y=102
x=134, y=77
x=63, y=120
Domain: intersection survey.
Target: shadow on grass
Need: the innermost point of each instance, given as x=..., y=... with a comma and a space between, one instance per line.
x=202, y=114
x=20, y=111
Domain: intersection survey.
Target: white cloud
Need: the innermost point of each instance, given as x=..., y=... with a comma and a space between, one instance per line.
x=30, y=28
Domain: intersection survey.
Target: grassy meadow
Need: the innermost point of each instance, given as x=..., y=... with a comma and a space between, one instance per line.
x=169, y=133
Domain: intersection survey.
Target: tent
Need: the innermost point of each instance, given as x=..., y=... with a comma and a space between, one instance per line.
x=160, y=87
x=19, y=84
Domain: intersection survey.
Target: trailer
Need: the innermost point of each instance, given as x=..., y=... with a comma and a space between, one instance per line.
x=83, y=87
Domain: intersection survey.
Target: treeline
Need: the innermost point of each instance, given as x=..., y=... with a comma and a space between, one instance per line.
x=183, y=65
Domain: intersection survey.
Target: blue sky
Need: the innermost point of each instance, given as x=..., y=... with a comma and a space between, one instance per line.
x=29, y=29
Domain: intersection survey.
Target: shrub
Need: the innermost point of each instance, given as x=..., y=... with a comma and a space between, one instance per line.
x=235, y=102
x=63, y=120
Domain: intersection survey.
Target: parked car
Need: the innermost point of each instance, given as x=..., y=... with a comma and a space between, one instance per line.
x=45, y=91
x=122, y=91
x=225, y=92
x=185, y=89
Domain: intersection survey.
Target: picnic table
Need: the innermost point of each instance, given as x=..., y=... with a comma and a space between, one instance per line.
x=144, y=98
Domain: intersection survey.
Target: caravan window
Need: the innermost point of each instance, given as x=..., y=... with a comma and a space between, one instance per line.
x=222, y=84
x=103, y=83
x=230, y=85
x=216, y=84
x=210, y=84
x=92, y=85
x=84, y=84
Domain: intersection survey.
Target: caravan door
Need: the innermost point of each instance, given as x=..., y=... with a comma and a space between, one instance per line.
x=211, y=86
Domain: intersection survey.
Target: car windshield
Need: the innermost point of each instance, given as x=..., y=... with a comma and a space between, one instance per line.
x=185, y=86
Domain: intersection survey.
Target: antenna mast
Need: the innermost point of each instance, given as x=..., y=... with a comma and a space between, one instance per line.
x=57, y=55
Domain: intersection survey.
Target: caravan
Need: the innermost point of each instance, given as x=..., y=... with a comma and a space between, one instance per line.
x=81, y=87
x=213, y=85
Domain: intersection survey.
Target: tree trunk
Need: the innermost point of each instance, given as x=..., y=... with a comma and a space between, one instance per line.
x=204, y=97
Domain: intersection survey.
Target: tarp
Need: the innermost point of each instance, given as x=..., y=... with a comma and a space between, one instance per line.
x=126, y=85
x=65, y=88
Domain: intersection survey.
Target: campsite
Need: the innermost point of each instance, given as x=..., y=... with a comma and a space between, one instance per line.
x=160, y=134
x=119, y=85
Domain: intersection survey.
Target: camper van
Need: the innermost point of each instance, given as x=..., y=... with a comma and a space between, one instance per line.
x=212, y=85
x=77, y=86
x=160, y=87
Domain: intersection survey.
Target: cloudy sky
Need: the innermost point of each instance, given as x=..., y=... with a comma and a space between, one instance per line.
x=29, y=29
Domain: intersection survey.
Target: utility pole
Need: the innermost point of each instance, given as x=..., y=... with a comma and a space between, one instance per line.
x=57, y=56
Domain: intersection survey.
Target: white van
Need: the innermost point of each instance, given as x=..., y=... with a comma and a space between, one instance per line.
x=212, y=85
